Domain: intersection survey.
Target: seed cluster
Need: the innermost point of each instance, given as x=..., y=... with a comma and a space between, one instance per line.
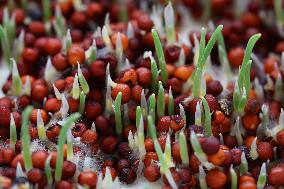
x=102, y=93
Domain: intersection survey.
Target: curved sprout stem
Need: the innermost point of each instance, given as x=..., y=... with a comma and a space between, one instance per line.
x=262, y=177
x=82, y=103
x=207, y=121
x=183, y=147
x=244, y=164
x=117, y=112
x=62, y=138
x=152, y=106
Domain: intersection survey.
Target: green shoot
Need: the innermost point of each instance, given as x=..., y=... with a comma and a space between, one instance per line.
x=160, y=55
x=197, y=115
x=165, y=163
x=117, y=112
x=234, y=177
x=278, y=92
x=62, y=138
x=16, y=80
x=171, y=104
x=152, y=106
x=60, y=23
x=70, y=153
x=119, y=51
x=82, y=103
x=207, y=121
x=13, y=132
x=182, y=114
x=197, y=148
x=167, y=152
x=143, y=103
x=161, y=101
x=202, y=178
x=47, y=171
x=204, y=52
x=106, y=38
x=279, y=15
x=262, y=177
x=75, y=88
x=5, y=46
x=46, y=11
x=154, y=71
x=236, y=131
x=40, y=126
x=244, y=164
x=184, y=150
x=169, y=17
x=26, y=138
x=84, y=84
x=138, y=115
x=91, y=53
x=253, y=150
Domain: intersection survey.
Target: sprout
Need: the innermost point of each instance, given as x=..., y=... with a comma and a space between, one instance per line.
x=106, y=38
x=107, y=181
x=152, y=107
x=264, y=116
x=169, y=17
x=20, y=41
x=57, y=93
x=91, y=53
x=10, y=25
x=244, y=164
x=60, y=23
x=75, y=88
x=279, y=16
x=161, y=56
x=198, y=114
x=82, y=103
x=40, y=126
x=27, y=86
x=67, y=41
x=26, y=138
x=182, y=113
x=46, y=11
x=258, y=88
x=171, y=104
x=161, y=101
x=19, y=171
x=64, y=107
x=154, y=71
x=278, y=92
x=84, y=84
x=197, y=148
x=50, y=73
x=24, y=4
x=130, y=31
x=167, y=153
x=5, y=46
x=47, y=170
x=119, y=50
x=62, y=137
x=184, y=150
x=108, y=101
x=70, y=153
x=141, y=137
x=16, y=80
x=117, y=112
x=262, y=177
x=165, y=163
x=253, y=150
x=237, y=132
x=208, y=130
x=143, y=103
x=202, y=178
x=13, y=132
x=182, y=58
x=234, y=178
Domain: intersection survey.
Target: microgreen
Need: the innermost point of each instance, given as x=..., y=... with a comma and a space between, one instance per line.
x=184, y=150
x=169, y=17
x=26, y=138
x=119, y=51
x=24, y=4
x=40, y=126
x=207, y=121
x=50, y=72
x=84, y=84
x=16, y=80
x=197, y=148
x=161, y=100
x=203, y=54
x=62, y=138
x=46, y=11
x=5, y=46
x=202, y=178
x=106, y=38
x=108, y=98
x=82, y=103
x=258, y=89
x=64, y=106
x=140, y=135
x=171, y=104
x=70, y=153
x=197, y=115
x=91, y=53
x=278, y=91
x=75, y=88
x=152, y=106
x=253, y=150
x=279, y=16
x=117, y=112
x=138, y=115
x=67, y=41
x=244, y=164
x=13, y=132
x=160, y=55
x=56, y=93
x=262, y=177
x=60, y=23
x=234, y=178
x=130, y=31
x=47, y=170
x=10, y=25
x=182, y=114
x=236, y=131
x=143, y=103
x=27, y=87
x=165, y=163
x=154, y=71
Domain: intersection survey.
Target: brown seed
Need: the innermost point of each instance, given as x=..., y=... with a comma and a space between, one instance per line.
x=35, y=175
x=38, y=159
x=152, y=173
x=124, y=89
x=33, y=116
x=5, y=117
x=149, y=158
x=92, y=110
x=88, y=178
x=213, y=182
x=30, y=55
x=75, y=55
x=63, y=184
x=145, y=22
x=98, y=69
x=276, y=175
x=52, y=105
x=52, y=46
x=235, y=56
x=265, y=151
x=89, y=137
x=210, y=145
x=127, y=176
x=280, y=137
x=68, y=169
x=109, y=144
x=39, y=92
x=59, y=61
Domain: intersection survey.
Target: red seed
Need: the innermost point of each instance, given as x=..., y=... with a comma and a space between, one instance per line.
x=52, y=46
x=89, y=137
x=5, y=117
x=98, y=69
x=39, y=92
x=88, y=178
x=216, y=179
x=52, y=105
x=109, y=144
x=276, y=175
x=75, y=55
x=30, y=55
x=124, y=89
x=152, y=173
x=235, y=56
x=35, y=175
x=38, y=159
x=59, y=61
x=68, y=170
x=265, y=151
